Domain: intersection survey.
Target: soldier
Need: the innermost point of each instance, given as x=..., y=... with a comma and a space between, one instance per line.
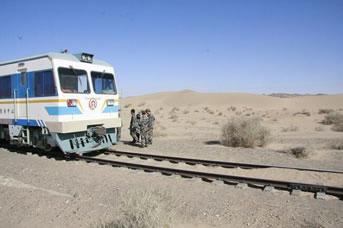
x=143, y=125
x=134, y=127
x=138, y=117
x=151, y=123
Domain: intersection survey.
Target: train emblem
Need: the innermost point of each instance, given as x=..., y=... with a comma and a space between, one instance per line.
x=92, y=104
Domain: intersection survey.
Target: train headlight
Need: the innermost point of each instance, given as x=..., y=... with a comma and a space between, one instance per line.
x=110, y=102
x=85, y=57
x=71, y=102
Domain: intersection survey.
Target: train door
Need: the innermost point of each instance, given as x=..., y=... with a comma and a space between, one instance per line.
x=21, y=98
x=19, y=131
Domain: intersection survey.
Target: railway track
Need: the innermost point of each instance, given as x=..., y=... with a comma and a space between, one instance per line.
x=224, y=164
x=228, y=179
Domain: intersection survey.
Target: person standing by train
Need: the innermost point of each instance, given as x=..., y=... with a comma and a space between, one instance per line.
x=143, y=125
x=134, y=126
x=151, y=122
x=138, y=134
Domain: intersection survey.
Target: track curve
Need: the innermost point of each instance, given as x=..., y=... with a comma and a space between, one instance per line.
x=224, y=164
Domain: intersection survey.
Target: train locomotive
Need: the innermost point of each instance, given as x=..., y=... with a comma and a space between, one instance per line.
x=60, y=100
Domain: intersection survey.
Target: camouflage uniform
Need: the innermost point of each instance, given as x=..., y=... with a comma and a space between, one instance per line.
x=143, y=125
x=151, y=123
x=134, y=128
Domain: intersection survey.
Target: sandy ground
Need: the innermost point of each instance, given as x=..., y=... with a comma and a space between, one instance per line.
x=36, y=191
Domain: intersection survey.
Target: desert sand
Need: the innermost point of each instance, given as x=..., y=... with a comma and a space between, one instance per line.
x=38, y=191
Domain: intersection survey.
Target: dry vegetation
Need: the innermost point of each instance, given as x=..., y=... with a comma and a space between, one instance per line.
x=209, y=111
x=185, y=112
x=299, y=152
x=143, y=209
x=336, y=144
x=291, y=128
x=244, y=132
x=335, y=119
x=173, y=117
x=303, y=112
x=325, y=111
x=319, y=128
x=231, y=108
x=332, y=118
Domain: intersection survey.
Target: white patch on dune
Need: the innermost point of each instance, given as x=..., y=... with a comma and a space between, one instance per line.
x=10, y=182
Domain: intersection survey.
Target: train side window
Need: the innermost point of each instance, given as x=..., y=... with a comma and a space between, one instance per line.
x=44, y=84
x=5, y=87
x=23, y=78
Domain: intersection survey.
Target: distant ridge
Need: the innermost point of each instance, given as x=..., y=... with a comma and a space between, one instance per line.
x=287, y=95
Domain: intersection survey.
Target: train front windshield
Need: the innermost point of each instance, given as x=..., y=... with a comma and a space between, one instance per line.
x=103, y=83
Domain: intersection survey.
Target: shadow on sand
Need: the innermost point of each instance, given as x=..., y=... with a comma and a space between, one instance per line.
x=125, y=142
x=213, y=142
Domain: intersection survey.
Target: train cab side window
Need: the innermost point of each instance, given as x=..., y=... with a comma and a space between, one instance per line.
x=5, y=87
x=73, y=80
x=44, y=84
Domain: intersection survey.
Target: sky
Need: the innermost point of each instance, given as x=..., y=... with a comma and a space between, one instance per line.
x=254, y=46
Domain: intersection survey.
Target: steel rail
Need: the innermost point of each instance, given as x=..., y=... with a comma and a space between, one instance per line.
x=224, y=164
x=229, y=179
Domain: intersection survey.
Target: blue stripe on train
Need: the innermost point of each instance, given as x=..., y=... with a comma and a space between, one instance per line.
x=58, y=110
x=110, y=109
x=30, y=122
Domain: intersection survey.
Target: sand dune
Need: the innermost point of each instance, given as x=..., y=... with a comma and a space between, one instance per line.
x=191, y=98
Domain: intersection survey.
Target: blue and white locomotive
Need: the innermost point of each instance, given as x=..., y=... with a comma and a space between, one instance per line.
x=59, y=100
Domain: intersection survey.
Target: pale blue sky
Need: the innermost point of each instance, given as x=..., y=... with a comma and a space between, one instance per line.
x=210, y=46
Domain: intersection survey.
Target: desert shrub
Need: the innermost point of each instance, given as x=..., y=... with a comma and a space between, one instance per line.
x=338, y=126
x=244, y=132
x=185, y=112
x=299, y=152
x=141, y=104
x=303, y=112
x=231, y=108
x=173, y=116
x=333, y=118
x=209, y=111
x=143, y=209
x=196, y=110
x=325, y=111
x=310, y=224
x=220, y=114
x=336, y=144
x=127, y=105
x=174, y=110
x=319, y=128
x=216, y=123
x=291, y=128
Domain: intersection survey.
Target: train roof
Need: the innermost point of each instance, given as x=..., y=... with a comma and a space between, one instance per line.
x=56, y=55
